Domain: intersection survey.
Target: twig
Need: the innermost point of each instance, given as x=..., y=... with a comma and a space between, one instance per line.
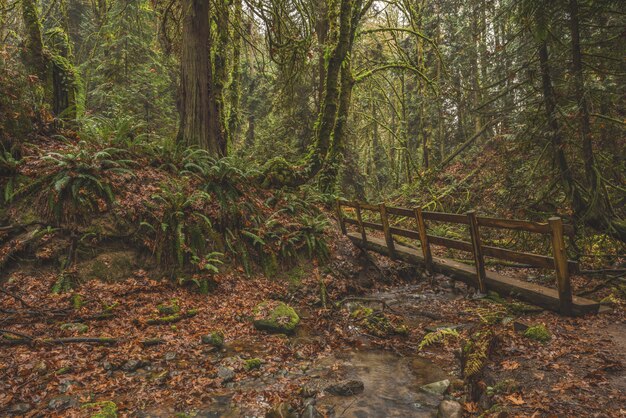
x=16, y=297
x=19, y=334
x=78, y=340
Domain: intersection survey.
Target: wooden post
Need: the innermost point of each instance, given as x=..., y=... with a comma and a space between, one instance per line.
x=342, y=224
x=360, y=220
x=560, y=264
x=421, y=228
x=384, y=219
x=477, y=251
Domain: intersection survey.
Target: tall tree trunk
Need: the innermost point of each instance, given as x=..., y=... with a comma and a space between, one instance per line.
x=217, y=80
x=328, y=115
x=235, y=84
x=194, y=89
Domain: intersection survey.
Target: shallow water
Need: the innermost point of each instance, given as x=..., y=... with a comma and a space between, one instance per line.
x=392, y=385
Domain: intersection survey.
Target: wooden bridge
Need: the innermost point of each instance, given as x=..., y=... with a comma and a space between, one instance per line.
x=559, y=299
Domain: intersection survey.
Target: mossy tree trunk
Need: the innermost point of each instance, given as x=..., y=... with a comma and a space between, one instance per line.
x=194, y=88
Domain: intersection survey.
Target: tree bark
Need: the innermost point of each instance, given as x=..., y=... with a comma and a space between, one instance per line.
x=194, y=90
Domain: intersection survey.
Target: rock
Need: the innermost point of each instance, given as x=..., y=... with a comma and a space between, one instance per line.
x=251, y=364
x=282, y=410
x=110, y=266
x=133, y=365
x=215, y=338
x=538, y=333
x=346, y=388
x=275, y=317
x=311, y=412
x=61, y=402
x=436, y=388
x=20, y=408
x=227, y=374
x=449, y=409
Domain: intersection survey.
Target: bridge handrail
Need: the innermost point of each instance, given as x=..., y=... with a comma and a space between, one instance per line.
x=554, y=227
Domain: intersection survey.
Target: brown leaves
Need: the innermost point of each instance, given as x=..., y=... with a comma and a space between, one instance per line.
x=515, y=399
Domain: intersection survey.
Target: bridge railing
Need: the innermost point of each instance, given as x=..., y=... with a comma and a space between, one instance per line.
x=554, y=228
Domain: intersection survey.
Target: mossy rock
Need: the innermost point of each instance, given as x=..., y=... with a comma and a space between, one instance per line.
x=278, y=172
x=106, y=409
x=170, y=309
x=538, y=333
x=275, y=317
x=215, y=338
x=109, y=266
x=251, y=364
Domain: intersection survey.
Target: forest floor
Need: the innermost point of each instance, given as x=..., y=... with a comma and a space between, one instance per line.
x=578, y=372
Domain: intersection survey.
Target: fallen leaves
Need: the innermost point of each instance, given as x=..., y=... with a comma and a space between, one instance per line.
x=515, y=399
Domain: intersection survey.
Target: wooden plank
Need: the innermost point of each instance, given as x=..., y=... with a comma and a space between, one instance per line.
x=347, y=203
x=407, y=233
x=384, y=219
x=421, y=227
x=514, y=224
x=367, y=206
x=520, y=225
x=535, y=260
x=342, y=224
x=560, y=264
x=400, y=211
x=528, y=292
x=450, y=243
x=360, y=221
x=479, y=261
x=445, y=217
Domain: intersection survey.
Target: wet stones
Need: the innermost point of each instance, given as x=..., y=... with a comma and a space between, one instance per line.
x=346, y=388
x=436, y=388
x=227, y=374
x=449, y=409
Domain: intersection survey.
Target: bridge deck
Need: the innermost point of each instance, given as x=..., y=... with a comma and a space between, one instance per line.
x=528, y=292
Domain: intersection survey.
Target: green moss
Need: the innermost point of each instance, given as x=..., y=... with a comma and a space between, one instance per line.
x=77, y=301
x=75, y=327
x=281, y=319
x=538, y=333
x=251, y=364
x=171, y=309
x=278, y=172
x=106, y=409
x=215, y=338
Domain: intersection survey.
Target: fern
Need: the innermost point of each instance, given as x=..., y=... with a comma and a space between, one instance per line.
x=437, y=336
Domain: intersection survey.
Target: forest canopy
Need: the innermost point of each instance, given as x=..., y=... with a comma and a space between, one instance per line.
x=437, y=103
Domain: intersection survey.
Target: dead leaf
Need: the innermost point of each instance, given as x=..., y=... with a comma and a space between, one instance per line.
x=515, y=399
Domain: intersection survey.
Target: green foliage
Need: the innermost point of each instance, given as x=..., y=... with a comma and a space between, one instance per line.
x=437, y=336
x=176, y=227
x=77, y=182
x=475, y=353
x=9, y=165
x=66, y=281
